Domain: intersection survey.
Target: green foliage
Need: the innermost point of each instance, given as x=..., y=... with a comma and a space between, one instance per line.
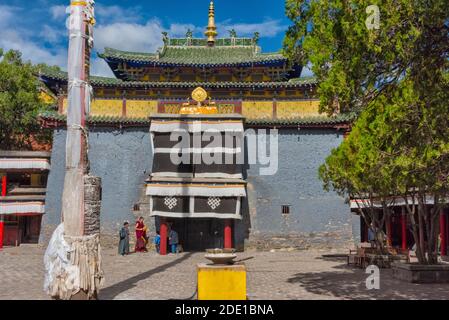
x=398, y=147
x=20, y=103
x=354, y=65
x=395, y=78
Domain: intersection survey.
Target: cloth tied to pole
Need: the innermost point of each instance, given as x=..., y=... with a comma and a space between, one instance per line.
x=72, y=264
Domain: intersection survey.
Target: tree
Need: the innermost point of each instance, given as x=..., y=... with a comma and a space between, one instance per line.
x=354, y=64
x=398, y=148
x=395, y=77
x=20, y=103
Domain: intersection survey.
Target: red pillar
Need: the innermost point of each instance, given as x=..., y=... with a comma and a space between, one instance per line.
x=163, y=234
x=443, y=233
x=404, y=229
x=228, y=234
x=4, y=183
x=1, y=231
x=447, y=227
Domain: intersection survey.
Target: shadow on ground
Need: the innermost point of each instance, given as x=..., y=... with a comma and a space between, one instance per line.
x=351, y=284
x=113, y=291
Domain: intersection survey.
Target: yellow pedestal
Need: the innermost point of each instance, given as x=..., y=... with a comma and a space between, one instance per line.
x=217, y=282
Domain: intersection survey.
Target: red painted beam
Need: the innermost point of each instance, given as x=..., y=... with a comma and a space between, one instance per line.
x=4, y=185
x=404, y=229
x=443, y=244
x=228, y=234
x=164, y=236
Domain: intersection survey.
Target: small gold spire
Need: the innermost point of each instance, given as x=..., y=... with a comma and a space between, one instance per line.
x=211, y=31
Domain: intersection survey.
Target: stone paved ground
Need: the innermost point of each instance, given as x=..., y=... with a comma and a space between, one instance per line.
x=271, y=275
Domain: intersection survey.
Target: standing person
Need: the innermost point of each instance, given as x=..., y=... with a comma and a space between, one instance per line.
x=157, y=241
x=173, y=240
x=123, y=246
x=140, y=236
x=145, y=235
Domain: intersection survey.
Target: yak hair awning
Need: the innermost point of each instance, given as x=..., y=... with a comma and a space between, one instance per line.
x=18, y=208
x=390, y=202
x=24, y=164
x=205, y=190
x=164, y=123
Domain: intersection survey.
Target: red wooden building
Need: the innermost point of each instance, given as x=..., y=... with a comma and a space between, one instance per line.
x=398, y=229
x=22, y=201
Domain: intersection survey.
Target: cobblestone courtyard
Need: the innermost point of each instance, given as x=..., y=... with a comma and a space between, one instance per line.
x=271, y=275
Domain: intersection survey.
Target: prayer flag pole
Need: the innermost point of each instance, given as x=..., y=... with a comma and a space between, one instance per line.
x=79, y=276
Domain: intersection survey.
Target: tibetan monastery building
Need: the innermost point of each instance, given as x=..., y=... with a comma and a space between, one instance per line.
x=230, y=85
x=22, y=199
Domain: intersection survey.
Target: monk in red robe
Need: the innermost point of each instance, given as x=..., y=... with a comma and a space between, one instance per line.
x=140, y=236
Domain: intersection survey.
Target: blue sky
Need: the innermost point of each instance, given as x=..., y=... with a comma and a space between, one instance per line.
x=37, y=28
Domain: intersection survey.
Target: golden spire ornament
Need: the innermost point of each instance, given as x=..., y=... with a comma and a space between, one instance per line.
x=211, y=31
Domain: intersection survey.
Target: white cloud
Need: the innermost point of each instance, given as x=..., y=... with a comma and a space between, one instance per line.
x=115, y=13
x=129, y=36
x=16, y=38
x=99, y=67
x=51, y=34
x=58, y=12
x=6, y=14
x=180, y=30
x=11, y=39
x=306, y=72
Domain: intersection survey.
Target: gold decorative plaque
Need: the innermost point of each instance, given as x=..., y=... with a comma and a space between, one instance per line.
x=199, y=94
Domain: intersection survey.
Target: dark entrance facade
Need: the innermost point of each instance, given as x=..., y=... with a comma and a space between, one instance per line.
x=197, y=199
x=21, y=229
x=198, y=234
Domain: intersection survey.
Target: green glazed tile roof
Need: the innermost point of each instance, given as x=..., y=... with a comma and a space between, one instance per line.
x=60, y=76
x=339, y=120
x=61, y=118
x=195, y=56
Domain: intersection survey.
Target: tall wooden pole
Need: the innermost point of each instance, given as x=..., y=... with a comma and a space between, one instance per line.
x=76, y=162
x=81, y=195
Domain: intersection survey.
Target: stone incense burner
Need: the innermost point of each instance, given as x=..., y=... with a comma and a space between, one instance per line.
x=221, y=256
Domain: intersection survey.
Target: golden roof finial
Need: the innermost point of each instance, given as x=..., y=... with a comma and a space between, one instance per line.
x=211, y=31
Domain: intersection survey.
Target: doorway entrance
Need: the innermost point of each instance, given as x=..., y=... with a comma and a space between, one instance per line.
x=199, y=234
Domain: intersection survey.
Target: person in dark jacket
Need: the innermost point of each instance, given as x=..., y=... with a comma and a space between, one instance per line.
x=173, y=240
x=123, y=246
x=157, y=242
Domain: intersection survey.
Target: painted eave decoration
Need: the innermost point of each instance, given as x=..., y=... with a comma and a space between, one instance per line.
x=49, y=75
x=54, y=119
